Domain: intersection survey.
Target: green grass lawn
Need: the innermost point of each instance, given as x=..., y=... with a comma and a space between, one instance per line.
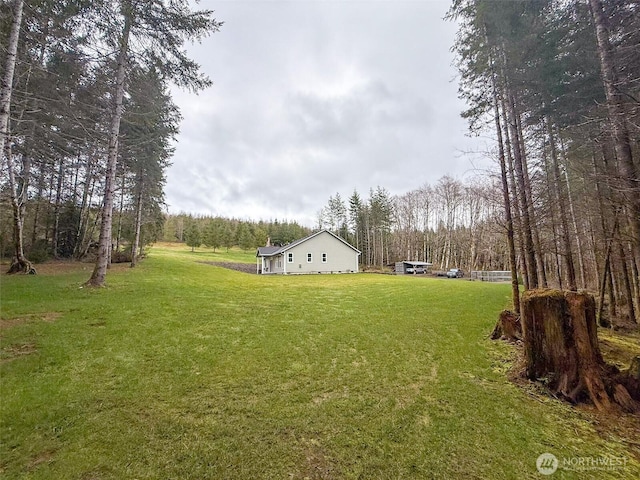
x=183, y=370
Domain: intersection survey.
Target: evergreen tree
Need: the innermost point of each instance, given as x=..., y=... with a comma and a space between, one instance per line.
x=246, y=240
x=213, y=233
x=532, y=69
x=193, y=236
x=228, y=236
x=160, y=29
x=149, y=127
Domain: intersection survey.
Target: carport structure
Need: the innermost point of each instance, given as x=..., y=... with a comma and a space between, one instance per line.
x=412, y=267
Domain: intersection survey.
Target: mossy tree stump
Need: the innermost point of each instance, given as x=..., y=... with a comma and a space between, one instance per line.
x=508, y=327
x=561, y=346
x=630, y=378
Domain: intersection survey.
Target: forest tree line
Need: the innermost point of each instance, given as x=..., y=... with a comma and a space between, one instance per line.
x=224, y=233
x=557, y=84
x=87, y=123
x=450, y=224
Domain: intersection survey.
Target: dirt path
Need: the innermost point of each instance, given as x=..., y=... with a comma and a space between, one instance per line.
x=240, y=267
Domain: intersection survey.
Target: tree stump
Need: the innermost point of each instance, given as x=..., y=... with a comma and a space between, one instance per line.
x=508, y=327
x=630, y=378
x=634, y=368
x=561, y=344
x=21, y=266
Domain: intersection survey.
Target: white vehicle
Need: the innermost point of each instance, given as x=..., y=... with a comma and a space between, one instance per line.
x=416, y=269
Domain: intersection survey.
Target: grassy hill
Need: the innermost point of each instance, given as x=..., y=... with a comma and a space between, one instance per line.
x=185, y=370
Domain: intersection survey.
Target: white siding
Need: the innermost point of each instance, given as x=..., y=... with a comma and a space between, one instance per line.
x=341, y=258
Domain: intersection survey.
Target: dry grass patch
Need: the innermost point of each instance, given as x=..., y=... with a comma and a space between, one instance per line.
x=46, y=456
x=6, y=323
x=15, y=351
x=317, y=466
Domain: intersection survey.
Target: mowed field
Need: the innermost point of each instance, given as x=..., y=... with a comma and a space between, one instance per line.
x=184, y=370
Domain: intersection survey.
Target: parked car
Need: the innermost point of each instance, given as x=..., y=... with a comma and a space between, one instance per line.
x=416, y=269
x=455, y=273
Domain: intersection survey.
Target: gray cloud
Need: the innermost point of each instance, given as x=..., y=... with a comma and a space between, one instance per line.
x=312, y=98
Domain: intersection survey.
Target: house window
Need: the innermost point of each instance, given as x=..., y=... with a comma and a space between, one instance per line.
x=290, y=257
x=309, y=258
x=324, y=258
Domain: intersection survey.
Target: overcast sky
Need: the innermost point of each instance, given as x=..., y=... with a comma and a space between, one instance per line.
x=313, y=98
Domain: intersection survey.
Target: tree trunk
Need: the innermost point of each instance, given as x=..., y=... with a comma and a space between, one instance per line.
x=635, y=276
x=577, y=234
x=525, y=192
x=566, y=241
x=561, y=347
x=120, y=211
x=56, y=210
x=516, y=194
x=19, y=262
x=38, y=205
x=136, y=240
x=7, y=79
x=104, y=248
x=604, y=195
x=626, y=283
x=85, y=209
x=552, y=215
x=606, y=277
x=515, y=288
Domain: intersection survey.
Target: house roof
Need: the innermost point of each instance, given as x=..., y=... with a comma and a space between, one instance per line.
x=267, y=251
x=273, y=251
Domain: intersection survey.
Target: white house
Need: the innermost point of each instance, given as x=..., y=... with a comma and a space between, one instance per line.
x=320, y=252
